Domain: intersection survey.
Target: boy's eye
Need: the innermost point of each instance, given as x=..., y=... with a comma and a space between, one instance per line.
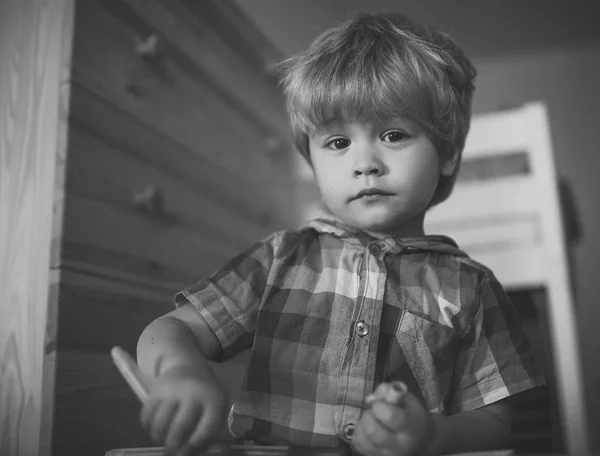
x=338, y=143
x=394, y=136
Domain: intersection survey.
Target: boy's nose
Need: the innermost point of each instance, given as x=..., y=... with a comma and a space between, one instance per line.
x=367, y=160
x=368, y=168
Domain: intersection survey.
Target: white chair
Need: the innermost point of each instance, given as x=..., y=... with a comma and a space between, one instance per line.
x=505, y=213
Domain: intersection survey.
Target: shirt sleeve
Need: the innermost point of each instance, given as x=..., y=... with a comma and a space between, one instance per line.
x=229, y=299
x=495, y=360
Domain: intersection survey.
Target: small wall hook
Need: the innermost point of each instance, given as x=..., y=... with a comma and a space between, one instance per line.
x=150, y=69
x=148, y=47
x=151, y=201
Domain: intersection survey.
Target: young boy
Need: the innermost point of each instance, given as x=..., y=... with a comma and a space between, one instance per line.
x=360, y=297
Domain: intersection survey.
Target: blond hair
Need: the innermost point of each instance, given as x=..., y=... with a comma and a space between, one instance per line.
x=382, y=65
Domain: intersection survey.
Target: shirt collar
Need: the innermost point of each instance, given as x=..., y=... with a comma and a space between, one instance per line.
x=324, y=221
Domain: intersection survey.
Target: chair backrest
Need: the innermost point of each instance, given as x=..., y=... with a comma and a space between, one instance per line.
x=505, y=212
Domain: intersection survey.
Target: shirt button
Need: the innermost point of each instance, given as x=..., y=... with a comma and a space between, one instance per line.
x=362, y=329
x=375, y=249
x=348, y=431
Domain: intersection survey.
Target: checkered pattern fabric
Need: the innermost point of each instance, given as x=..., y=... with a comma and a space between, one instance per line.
x=330, y=312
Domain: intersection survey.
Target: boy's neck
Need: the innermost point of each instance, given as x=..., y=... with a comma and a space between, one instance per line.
x=409, y=229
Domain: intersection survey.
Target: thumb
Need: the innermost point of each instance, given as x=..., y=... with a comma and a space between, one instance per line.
x=396, y=393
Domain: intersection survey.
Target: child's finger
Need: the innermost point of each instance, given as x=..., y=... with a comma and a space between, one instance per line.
x=369, y=400
x=207, y=426
x=185, y=450
x=371, y=438
x=361, y=442
x=377, y=395
x=389, y=416
x=395, y=393
x=162, y=420
x=147, y=413
x=389, y=392
x=377, y=432
x=181, y=428
x=381, y=390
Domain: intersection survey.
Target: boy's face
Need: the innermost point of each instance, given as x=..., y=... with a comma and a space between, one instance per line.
x=378, y=176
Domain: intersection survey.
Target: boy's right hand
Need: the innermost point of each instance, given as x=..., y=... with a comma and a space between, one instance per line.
x=184, y=411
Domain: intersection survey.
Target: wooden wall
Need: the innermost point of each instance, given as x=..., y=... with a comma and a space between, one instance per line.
x=35, y=47
x=177, y=162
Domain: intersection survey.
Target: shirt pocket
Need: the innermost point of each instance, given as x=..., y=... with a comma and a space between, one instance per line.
x=436, y=336
x=424, y=353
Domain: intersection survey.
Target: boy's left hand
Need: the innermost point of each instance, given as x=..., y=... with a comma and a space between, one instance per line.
x=394, y=430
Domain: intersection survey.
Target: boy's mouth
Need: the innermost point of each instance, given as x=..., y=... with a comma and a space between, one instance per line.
x=370, y=192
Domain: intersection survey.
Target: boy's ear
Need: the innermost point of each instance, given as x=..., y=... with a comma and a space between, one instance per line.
x=449, y=166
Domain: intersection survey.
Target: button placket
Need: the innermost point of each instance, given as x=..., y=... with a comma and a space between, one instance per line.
x=361, y=361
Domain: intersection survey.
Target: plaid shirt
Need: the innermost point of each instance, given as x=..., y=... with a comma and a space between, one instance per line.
x=330, y=312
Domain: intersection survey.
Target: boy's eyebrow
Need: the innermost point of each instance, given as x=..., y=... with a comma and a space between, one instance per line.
x=318, y=131
x=323, y=128
x=404, y=121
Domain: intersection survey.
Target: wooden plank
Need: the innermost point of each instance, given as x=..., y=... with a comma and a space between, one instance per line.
x=102, y=172
x=97, y=314
x=95, y=410
x=156, y=296
x=118, y=266
x=211, y=55
x=230, y=197
x=35, y=51
x=239, y=32
x=117, y=231
x=117, y=313
x=103, y=222
x=182, y=106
